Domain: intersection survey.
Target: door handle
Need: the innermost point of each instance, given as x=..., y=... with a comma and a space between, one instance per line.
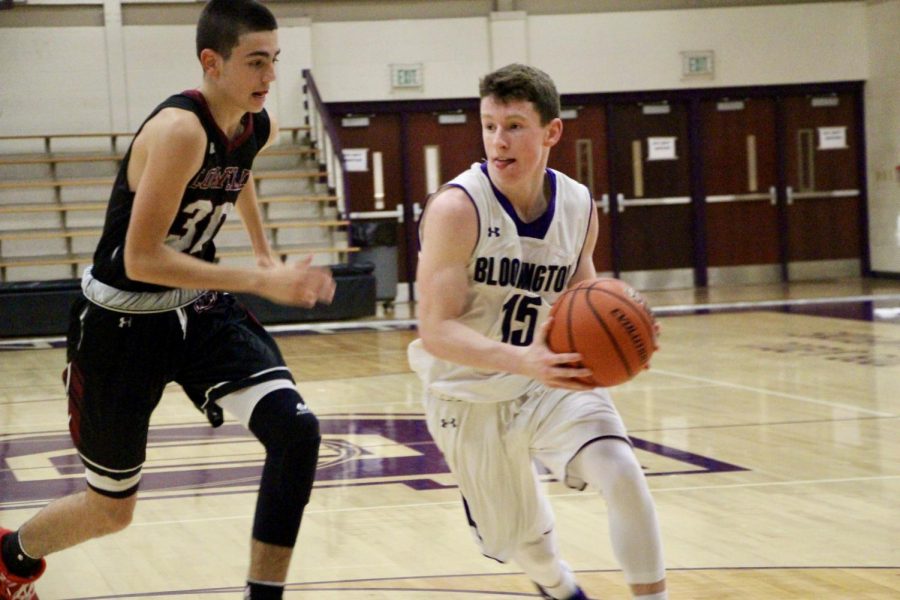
x=603, y=203
x=737, y=198
x=789, y=192
x=827, y=194
x=667, y=201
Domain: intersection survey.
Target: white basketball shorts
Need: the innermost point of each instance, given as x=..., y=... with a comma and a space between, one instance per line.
x=491, y=447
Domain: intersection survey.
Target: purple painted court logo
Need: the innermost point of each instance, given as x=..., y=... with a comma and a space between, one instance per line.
x=195, y=459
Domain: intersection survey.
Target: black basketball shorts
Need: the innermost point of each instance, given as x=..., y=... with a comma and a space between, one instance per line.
x=119, y=364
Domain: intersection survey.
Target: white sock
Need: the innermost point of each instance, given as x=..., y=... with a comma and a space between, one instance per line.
x=664, y=595
x=566, y=588
x=541, y=562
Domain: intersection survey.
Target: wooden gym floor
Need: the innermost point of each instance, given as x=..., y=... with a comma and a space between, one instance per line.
x=769, y=427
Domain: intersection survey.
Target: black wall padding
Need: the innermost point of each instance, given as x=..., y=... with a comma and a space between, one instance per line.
x=41, y=308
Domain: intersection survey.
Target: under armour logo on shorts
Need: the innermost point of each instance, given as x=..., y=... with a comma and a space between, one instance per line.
x=448, y=423
x=206, y=301
x=124, y=322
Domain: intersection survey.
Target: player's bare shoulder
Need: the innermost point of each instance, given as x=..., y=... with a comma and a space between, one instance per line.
x=170, y=132
x=172, y=128
x=450, y=223
x=452, y=205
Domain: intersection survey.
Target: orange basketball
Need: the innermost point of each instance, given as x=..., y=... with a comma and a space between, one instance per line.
x=610, y=324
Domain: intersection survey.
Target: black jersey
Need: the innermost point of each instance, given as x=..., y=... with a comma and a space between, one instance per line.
x=209, y=197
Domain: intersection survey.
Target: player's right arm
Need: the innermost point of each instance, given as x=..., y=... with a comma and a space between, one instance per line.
x=167, y=153
x=449, y=235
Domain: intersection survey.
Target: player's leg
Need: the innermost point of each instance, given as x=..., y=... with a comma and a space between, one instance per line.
x=236, y=364
x=113, y=381
x=539, y=556
x=610, y=466
x=290, y=433
x=489, y=458
x=74, y=519
x=63, y=523
x=582, y=440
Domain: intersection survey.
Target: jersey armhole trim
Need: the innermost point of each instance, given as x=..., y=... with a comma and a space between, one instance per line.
x=477, y=217
x=420, y=228
x=587, y=230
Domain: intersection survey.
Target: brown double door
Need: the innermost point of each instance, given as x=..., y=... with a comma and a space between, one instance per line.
x=715, y=190
x=782, y=187
x=420, y=150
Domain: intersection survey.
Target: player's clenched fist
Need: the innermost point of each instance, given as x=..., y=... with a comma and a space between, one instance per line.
x=299, y=283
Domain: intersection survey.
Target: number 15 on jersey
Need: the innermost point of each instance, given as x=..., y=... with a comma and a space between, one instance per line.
x=520, y=317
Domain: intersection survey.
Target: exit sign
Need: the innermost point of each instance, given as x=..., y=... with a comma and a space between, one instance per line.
x=697, y=64
x=407, y=76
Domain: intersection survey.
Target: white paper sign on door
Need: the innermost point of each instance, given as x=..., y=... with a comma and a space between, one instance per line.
x=832, y=138
x=356, y=160
x=661, y=148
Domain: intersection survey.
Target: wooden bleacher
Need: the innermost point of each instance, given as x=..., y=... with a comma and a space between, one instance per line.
x=49, y=223
x=57, y=158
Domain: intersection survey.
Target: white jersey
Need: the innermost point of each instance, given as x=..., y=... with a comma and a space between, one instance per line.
x=516, y=272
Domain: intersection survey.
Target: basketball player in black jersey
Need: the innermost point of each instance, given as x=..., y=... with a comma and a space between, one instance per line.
x=147, y=318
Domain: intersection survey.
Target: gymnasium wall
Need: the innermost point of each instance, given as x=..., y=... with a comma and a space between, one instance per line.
x=753, y=46
x=160, y=60
x=65, y=78
x=883, y=134
x=75, y=74
x=599, y=52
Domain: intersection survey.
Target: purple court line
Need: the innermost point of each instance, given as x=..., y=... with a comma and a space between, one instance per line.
x=310, y=586
x=288, y=591
x=238, y=475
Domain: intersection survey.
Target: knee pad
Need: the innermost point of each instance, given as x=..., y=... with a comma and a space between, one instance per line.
x=290, y=434
x=606, y=462
x=281, y=419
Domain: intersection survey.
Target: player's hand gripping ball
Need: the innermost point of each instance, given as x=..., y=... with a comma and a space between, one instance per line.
x=610, y=324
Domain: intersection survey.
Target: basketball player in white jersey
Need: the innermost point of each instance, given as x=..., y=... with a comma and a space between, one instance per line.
x=498, y=245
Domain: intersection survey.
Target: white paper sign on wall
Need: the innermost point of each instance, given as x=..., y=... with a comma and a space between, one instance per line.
x=661, y=148
x=832, y=138
x=356, y=160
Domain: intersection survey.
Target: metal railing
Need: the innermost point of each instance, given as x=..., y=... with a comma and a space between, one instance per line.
x=324, y=135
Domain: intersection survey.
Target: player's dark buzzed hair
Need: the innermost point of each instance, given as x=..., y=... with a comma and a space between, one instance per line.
x=523, y=82
x=222, y=22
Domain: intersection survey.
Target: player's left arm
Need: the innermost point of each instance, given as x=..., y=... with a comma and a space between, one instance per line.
x=248, y=207
x=585, y=269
